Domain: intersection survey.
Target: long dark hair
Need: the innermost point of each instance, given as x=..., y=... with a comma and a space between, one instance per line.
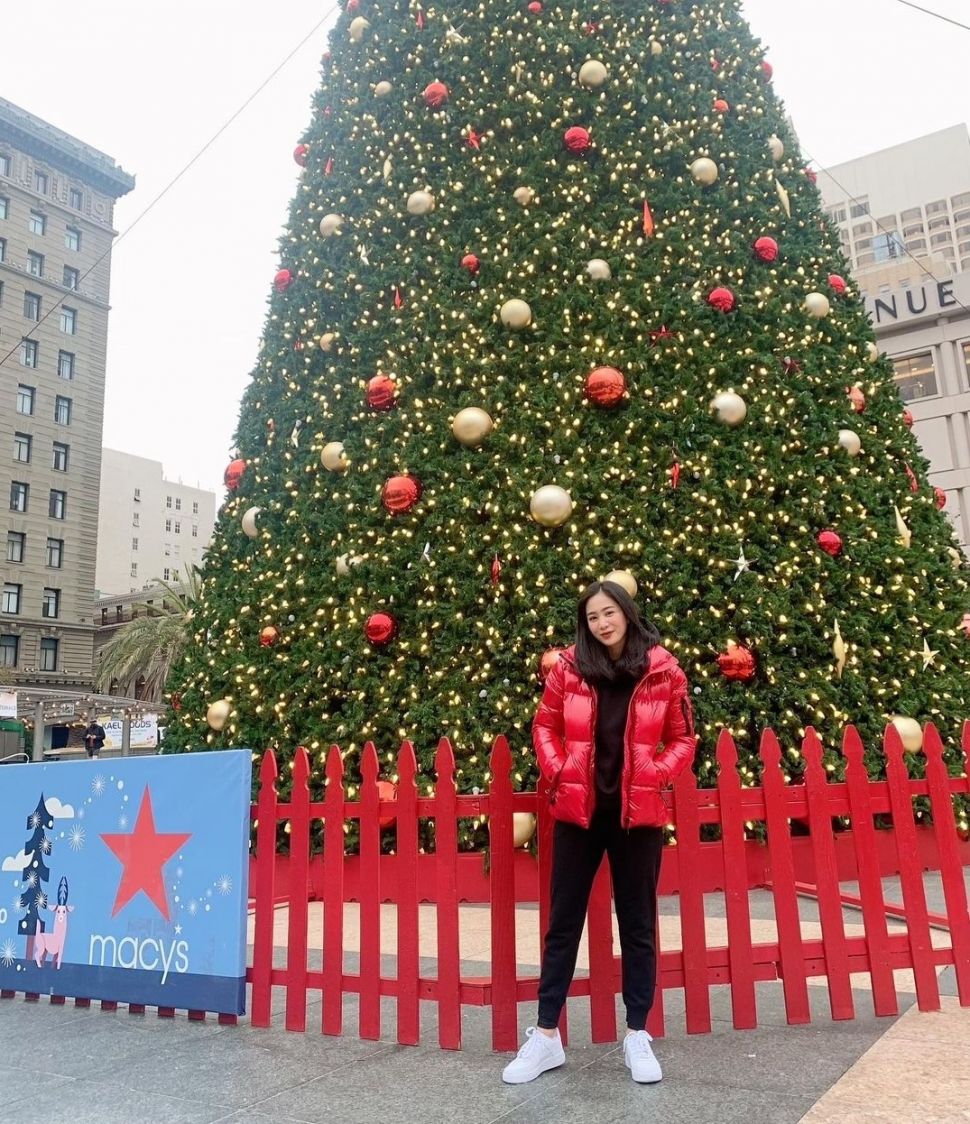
x=592, y=659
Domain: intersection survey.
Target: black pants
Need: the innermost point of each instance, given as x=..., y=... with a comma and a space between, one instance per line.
x=635, y=866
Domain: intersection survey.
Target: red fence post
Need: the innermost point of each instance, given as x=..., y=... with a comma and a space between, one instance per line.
x=296, y=934
x=446, y=863
x=501, y=882
x=951, y=872
x=884, y=1001
x=333, y=895
x=911, y=873
x=408, y=963
x=787, y=919
x=370, y=897
x=265, y=891
x=740, y=953
x=693, y=935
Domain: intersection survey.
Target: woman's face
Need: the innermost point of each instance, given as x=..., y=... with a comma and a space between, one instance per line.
x=607, y=622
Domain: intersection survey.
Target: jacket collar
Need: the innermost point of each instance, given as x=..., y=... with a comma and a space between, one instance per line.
x=660, y=660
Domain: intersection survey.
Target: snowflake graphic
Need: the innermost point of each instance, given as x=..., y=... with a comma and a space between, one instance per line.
x=40, y=899
x=34, y=820
x=32, y=879
x=122, y=821
x=98, y=785
x=19, y=903
x=45, y=845
x=224, y=885
x=76, y=838
x=193, y=907
x=8, y=954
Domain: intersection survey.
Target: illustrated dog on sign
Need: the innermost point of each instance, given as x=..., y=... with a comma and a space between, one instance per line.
x=52, y=943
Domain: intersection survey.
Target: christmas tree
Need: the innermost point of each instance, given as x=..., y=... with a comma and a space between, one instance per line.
x=557, y=299
x=33, y=897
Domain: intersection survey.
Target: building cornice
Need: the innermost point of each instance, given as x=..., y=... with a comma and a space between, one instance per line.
x=30, y=134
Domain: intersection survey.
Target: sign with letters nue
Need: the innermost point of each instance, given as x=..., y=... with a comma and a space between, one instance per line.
x=126, y=879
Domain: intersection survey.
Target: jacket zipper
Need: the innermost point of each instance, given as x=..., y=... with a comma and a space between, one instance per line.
x=628, y=755
x=591, y=787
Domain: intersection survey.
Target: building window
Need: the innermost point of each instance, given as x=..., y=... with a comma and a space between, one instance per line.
x=48, y=653
x=21, y=447
x=136, y=519
x=68, y=320
x=3, y=248
x=4, y=206
x=195, y=507
x=65, y=364
x=60, y=456
x=62, y=410
x=138, y=495
x=77, y=199
x=168, y=501
x=916, y=377
x=72, y=238
x=861, y=229
x=178, y=527
x=28, y=353
x=25, y=399
x=51, y=604
x=55, y=553
x=936, y=207
x=35, y=263
x=134, y=544
x=945, y=239
x=4, y=164
x=916, y=244
x=178, y=503
x=857, y=210
x=134, y=570
x=19, y=494
x=11, y=597
x=168, y=525
x=8, y=650
x=37, y=223
x=40, y=182
x=195, y=531
x=72, y=277
x=32, y=306
x=863, y=244
x=16, y=546
x=166, y=574
x=57, y=508
x=887, y=247
x=1, y=293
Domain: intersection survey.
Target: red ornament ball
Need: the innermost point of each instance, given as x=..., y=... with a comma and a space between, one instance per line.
x=908, y=419
x=737, y=664
x=233, y=475
x=387, y=790
x=837, y=284
x=435, y=94
x=857, y=398
x=535, y=7
x=830, y=542
x=268, y=636
x=382, y=393
x=283, y=280
x=766, y=249
x=811, y=175
x=380, y=628
x=400, y=494
x=300, y=154
x=576, y=139
x=721, y=106
x=767, y=70
x=721, y=299
x=940, y=498
x=548, y=660
x=605, y=386
x=471, y=263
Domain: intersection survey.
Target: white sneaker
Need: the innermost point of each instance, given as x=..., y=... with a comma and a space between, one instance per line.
x=538, y=1053
x=639, y=1057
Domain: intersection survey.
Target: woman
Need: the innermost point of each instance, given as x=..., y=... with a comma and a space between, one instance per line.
x=608, y=703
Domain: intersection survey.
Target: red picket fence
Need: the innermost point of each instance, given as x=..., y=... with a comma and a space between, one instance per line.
x=789, y=866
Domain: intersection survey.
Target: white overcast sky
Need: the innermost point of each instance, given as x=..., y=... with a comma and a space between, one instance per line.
x=150, y=83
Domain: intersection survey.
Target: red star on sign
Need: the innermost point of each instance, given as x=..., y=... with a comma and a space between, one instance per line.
x=662, y=333
x=142, y=854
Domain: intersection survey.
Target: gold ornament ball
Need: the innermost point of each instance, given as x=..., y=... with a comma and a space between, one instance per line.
x=817, y=305
x=358, y=26
x=656, y=48
x=592, y=74
x=248, y=522
x=624, y=579
x=523, y=195
x=382, y=89
x=777, y=148
x=471, y=426
x=704, y=171
x=326, y=341
x=330, y=224
x=872, y=352
x=956, y=557
x=910, y=731
x=730, y=408
x=333, y=457
x=516, y=314
x=550, y=505
x=523, y=828
x=420, y=203
x=345, y=561
x=850, y=441
x=599, y=269
x=218, y=714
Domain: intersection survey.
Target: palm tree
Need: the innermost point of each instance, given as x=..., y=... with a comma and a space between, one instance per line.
x=145, y=648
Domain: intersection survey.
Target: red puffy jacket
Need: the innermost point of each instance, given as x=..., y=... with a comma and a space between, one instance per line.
x=563, y=734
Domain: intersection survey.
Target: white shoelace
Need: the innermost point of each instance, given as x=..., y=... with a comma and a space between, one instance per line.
x=532, y=1042
x=640, y=1042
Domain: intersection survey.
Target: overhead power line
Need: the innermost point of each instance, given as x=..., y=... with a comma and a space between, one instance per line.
x=935, y=15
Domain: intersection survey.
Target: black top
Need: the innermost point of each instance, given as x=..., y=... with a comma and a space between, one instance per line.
x=613, y=706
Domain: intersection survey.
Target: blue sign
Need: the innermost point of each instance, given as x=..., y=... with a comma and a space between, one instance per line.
x=126, y=879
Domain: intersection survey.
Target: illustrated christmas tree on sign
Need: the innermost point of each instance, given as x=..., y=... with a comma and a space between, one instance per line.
x=33, y=896
x=557, y=299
